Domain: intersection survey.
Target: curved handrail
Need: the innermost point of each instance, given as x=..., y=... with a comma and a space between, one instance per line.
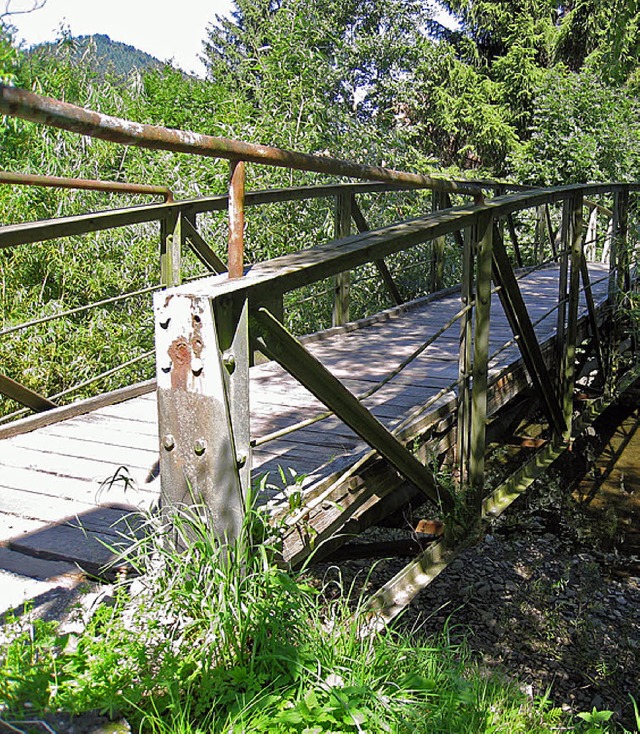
x=37, y=108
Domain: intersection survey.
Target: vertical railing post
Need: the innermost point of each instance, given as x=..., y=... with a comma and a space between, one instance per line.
x=235, y=261
x=465, y=360
x=563, y=284
x=171, y=238
x=477, y=442
x=550, y=232
x=618, y=280
x=622, y=245
x=574, y=207
x=438, y=201
x=203, y=383
x=342, y=281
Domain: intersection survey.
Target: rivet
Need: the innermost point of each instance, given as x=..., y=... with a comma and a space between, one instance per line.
x=229, y=361
x=241, y=460
x=200, y=446
x=168, y=442
x=196, y=366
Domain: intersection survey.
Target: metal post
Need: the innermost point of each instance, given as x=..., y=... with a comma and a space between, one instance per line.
x=438, y=201
x=574, y=207
x=170, y=249
x=552, y=237
x=236, y=218
x=618, y=280
x=231, y=315
x=514, y=239
x=465, y=361
x=484, y=240
x=563, y=282
x=204, y=459
x=342, y=281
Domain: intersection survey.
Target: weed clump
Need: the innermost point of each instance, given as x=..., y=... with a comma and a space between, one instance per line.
x=215, y=637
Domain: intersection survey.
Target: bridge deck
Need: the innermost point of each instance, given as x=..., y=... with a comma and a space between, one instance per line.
x=56, y=500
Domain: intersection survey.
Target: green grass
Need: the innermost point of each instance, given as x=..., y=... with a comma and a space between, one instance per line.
x=219, y=639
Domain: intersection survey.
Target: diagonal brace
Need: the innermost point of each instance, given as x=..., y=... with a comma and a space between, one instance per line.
x=522, y=328
x=280, y=345
x=201, y=248
x=24, y=395
x=362, y=225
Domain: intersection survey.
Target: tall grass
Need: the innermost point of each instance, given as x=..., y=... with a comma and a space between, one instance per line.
x=213, y=638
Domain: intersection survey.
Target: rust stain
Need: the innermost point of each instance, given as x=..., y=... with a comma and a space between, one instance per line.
x=180, y=354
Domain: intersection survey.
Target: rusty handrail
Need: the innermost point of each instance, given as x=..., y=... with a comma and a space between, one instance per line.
x=60, y=182
x=37, y=108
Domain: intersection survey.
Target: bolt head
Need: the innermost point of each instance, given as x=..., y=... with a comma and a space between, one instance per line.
x=168, y=442
x=196, y=366
x=229, y=361
x=200, y=446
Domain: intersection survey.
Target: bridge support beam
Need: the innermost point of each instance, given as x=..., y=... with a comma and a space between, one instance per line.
x=203, y=406
x=522, y=328
x=575, y=255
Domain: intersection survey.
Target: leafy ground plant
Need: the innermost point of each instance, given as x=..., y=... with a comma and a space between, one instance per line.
x=213, y=638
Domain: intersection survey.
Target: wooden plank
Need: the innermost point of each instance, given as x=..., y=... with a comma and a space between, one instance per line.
x=92, y=551
x=80, y=408
x=97, y=468
x=106, y=433
x=36, y=506
x=94, y=450
x=48, y=484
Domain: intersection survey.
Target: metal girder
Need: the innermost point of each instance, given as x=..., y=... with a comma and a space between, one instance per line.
x=237, y=183
x=281, y=346
x=202, y=450
x=574, y=205
x=465, y=361
x=477, y=440
x=438, y=202
x=514, y=239
x=170, y=248
x=342, y=281
x=522, y=328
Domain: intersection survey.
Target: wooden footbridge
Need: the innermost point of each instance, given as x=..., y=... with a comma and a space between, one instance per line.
x=518, y=332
